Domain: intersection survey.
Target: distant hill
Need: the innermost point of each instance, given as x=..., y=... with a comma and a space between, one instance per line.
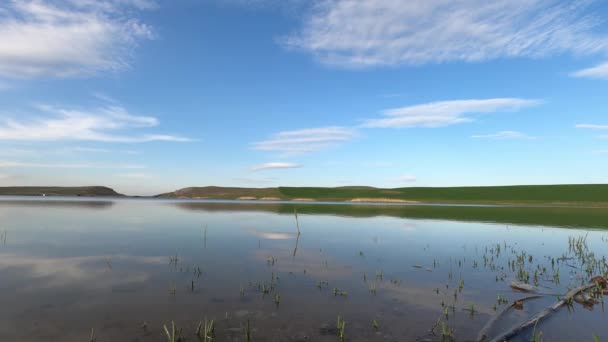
x=84, y=191
x=217, y=192
x=583, y=194
x=569, y=195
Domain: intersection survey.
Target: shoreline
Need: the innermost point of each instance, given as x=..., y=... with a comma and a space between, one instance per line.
x=311, y=201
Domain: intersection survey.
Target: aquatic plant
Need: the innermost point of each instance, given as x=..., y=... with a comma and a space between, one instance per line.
x=93, y=338
x=208, y=333
x=248, y=332
x=341, y=325
x=536, y=336
x=175, y=335
x=446, y=333
x=277, y=299
x=372, y=289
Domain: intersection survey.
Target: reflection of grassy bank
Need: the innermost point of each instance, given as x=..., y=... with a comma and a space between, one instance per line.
x=559, y=217
x=572, y=195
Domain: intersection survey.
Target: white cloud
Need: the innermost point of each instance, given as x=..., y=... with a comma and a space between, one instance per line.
x=277, y=165
x=136, y=175
x=103, y=97
x=592, y=126
x=405, y=179
x=5, y=176
x=445, y=113
x=503, y=135
x=17, y=164
x=306, y=140
x=94, y=125
x=16, y=152
x=359, y=33
x=90, y=149
x=598, y=72
x=67, y=38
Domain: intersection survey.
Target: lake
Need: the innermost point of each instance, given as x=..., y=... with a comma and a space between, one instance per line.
x=75, y=269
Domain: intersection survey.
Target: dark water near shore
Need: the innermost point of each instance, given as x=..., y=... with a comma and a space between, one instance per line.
x=71, y=265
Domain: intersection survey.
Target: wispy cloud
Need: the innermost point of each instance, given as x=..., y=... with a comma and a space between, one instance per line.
x=356, y=33
x=103, y=97
x=5, y=176
x=503, y=135
x=90, y=149
x=592, y=126
x=597, y=72
x=18, y=164
x=445, y=113
x=404, y=179
x=306, y=140
x=277, y=165
x=136, y=175
x=68, y=38
x=99, y=124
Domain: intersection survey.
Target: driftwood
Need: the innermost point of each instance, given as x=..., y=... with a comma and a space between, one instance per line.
x=483, y=333
x=534, y=320
x=523, y=286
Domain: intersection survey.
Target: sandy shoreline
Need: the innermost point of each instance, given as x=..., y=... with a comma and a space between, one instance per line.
x=381, y=200
x=353, y=200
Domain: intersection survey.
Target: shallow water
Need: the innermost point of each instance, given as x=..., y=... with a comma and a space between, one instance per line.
x=71, y=265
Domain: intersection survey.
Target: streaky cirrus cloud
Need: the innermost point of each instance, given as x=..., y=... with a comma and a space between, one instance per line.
x=597, y=72
x=592, y=126
x=503, y=135
x=445, y=113
x=306, y=140
x=275, y=165
x=104, y=124
x=355, y=33
x=69, y=38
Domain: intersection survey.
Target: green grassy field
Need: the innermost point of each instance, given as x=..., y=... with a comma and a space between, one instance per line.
x=579, y=195
x=566, y=194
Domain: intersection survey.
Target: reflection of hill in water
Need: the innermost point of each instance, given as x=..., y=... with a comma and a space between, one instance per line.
x=76, y=204
x=541, y=216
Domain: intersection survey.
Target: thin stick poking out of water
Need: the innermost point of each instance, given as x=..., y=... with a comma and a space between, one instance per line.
x=295, y=213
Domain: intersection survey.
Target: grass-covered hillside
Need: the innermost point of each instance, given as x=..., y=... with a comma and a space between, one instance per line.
x=588, y=194
x=84, y=191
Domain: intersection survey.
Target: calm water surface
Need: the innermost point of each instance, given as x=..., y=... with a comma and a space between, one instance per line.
x=125, y=268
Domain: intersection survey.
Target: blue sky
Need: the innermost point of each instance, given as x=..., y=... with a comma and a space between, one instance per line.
x=150, y=96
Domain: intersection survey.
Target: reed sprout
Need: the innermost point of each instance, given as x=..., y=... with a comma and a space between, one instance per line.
x=173, y=335
x=341, y=325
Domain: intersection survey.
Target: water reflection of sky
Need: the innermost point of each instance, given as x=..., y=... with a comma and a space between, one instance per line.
x=101, y=252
